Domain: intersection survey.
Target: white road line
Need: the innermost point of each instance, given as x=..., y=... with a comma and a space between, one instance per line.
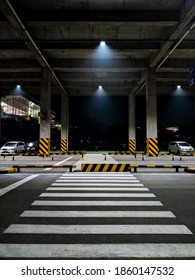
x=17, y=184
x=100, y=174
x=94, y=214
x=103, y=180
x=95, y=203
x=60, y=162
x=95, y=251
x=95, y=189
x=97, y=195
x=96, y=229
x=98, y=180
x=99, y=184
x=170, y=174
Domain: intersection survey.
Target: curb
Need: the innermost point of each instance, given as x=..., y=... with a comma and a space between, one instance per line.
x=190, y=170
x=8, y=170
x=126, y=167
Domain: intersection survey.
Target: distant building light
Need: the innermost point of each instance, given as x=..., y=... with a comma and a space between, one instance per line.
x=172, y=128
x=102, y=43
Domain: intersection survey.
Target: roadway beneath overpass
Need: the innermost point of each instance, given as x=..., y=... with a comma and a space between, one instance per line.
x=97, y=216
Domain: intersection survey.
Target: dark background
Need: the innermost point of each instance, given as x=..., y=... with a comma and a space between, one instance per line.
x=101, y=123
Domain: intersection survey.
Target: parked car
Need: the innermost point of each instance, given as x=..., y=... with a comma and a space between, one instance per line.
x=180, y=148
x=13, y=147
x=32, y=147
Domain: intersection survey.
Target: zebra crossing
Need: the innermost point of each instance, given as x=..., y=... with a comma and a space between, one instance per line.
x=102, y=215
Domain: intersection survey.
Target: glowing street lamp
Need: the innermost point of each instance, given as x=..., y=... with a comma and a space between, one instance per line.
x=102, y=43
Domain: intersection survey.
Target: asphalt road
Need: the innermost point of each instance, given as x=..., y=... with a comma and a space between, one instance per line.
x=81, y=216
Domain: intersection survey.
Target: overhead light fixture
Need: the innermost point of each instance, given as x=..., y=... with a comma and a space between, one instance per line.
x=178, y=86
x=102, y=43
x=100, y=87
x=18, y=86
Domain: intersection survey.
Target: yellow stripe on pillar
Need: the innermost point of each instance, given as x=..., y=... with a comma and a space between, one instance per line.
x=132, y=146
x=152, y=147
x=64, y=145
x=44, y=146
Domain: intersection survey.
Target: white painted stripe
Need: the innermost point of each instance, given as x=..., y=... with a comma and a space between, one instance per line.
x=95, y=203
x=102, y=180
x=96, y=229
x=94, y=176
x=61, y=162
x=94, y=214
x=97, y=184
x=97, y=195
x=169, y=174
x=108, y=174
x=48, y=168
x=17, y=184
x=96, y=251
x=95, y=189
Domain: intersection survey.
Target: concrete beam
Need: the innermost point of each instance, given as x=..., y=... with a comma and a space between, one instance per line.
x=36, y=17
x=22, y=33
x=186, y=15
x=96, y=75
x=95, y=84
x=98, y=63
x=178, y=63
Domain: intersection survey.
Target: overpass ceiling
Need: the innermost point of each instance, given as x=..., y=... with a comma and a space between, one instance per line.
x=65, y=36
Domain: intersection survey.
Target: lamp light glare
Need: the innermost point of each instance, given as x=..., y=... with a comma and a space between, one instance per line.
x=102, y=43
x=100, y=87
x=18, y=86
x=178, y=86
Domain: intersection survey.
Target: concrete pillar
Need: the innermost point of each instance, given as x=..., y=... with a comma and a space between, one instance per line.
x=64, y=123
x=151, y=114
x=194, y=110
x=0, y=121
x=131, y=124
x=45, y=113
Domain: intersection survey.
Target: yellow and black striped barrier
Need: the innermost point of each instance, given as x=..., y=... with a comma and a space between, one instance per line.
x=121, y=153
x=175, y=166
x=19, y=166
x=190, y=170
x=68, y=153
x=64, y=146
x=110, y=167
x=44, y=146
x=132, y=146
x=7, y=170
x=74, y=153
x=105, y=167
x=152, y=147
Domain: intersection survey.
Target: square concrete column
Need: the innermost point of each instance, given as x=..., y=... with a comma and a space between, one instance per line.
x=64, y=123
x=194, y=109
x=45, y=113
x=1, y=112
x=151, y=114
x=131, y=124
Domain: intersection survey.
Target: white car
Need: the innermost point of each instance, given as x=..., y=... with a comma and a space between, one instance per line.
x=180, y=148
x=13, y=147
